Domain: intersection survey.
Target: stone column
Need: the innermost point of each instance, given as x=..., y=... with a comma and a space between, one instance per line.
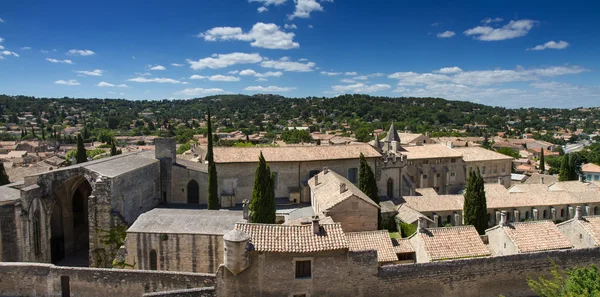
x=517, y=215
x=535, y=214
x=553, y=213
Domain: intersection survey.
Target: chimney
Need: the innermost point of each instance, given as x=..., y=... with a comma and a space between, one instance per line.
x=503, y=218
x=578, y=213
x=245, y=209
x=316, y=226
x=343, y=188
x=316, y=180
x=449, y=144
x=500, y=181
x=542, y=178
x=325, y=170
x=422, y=224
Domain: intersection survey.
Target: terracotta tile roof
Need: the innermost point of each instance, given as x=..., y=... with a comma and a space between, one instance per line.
x=537, y=178
x=592, y=225
x=473, y=154
x=293, y=153
x=406, y=138
x=293, y=238
x=379, y=241
x=408, y=215
x=429, y=151
x=589, y=167
x=403, y=246
x=452, y=243
x=536, y=236
x=327, y=192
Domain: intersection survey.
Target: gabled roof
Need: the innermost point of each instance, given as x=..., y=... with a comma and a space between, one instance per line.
x=536, y=236
x=408, y=138
x=449, y=243
x=328, y=194
x=294, y=238
x=429, y=151
x=186, y=221
x=590, y=167
x=402, y=246
x=379, y=241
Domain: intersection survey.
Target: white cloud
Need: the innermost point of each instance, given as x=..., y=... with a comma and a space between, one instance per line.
x=1, y=20
x=269, y=2
x=304, y=8
x=310, y=26
x=290, y=26
x=70, y=82
x=489, y=20
x=199, y=91
x=225, y=60
x=446, y=34
x=2, y=58
x=1, y=47
x=60, y=61
x=435, y=24
x=78, y=52
x=1, y=39
x=25, y=48
x=347, y=81
x=378, y=74
x=286, y=65
x=330, y=73
x=177, y=65
x=351, y=73
x=362, y=77
x=105, y=84
x=143, y=73
x=261, y=35
x=262, y=79
x=9, y=53
x=551, y=45
x=220, y=77
x=156, y=80
x=511, y=30
x=196, y=76
x=262, y=9
x=233, y=72
x=250, y=72
x=449, y=70
x=360, y=88
x=95, y=72
x=157, y=67
x=269, y=89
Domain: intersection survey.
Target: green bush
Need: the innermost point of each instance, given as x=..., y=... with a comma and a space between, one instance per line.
x=407, y=229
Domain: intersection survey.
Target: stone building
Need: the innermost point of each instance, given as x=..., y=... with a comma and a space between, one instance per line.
x=494, y=167
x=582, y=231
x=336, y=197
x=188, y=240
x=446, y=243
x=508, y=238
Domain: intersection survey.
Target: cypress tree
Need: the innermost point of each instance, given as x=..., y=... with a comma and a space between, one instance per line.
x=262, y=205
x=542, y=162
x=367, y=183
x=81, y=155
x=43, y=132
x=3, y=176
x=213, y=187
x=564, y=173
x=475, y=204
x=113, y=149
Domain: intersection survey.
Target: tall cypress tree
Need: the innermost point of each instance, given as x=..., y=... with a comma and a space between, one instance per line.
x=3, y=176
x=542, y=162
x=367, y=183
x=565, y=168
x=262, y=205
x=475, y=204
x=113, y=149
x=213, y=187
x=81, y=155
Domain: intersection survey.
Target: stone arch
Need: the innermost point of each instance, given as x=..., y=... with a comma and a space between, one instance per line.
x=390, y=187
x=193, y=192
x=70, y=221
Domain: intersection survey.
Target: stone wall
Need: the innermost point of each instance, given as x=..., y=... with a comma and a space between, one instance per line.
x=198, y=292
x=9, y=245
x=181, y=176
x=355, y=215
x=29, y=279
x=175, y=252
x=577, y=235
x=136, y=192
x=494, y=169
x=357, y=274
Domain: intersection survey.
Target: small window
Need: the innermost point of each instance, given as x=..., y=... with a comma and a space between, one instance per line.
x=424, y=176
x=596, y=177
x=303, y=269
x=300, y=295
x=562, y=213
x=425, y=162
x=580, y=236
x=353, y=175
x=544, y=214
x=452, y=174
x=495, y=169
x=452, y=160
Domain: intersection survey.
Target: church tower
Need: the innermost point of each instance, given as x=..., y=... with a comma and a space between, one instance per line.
x=391, y=140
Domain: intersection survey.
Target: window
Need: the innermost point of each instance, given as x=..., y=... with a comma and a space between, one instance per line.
x=544, y=214
x=449, y=219
x=353, y=175
x=275, y=180
x=596, y=177
x=153, y=260
x=527, y=215
x=588, y=177
x=452, y=160
x=303, y=269
x=424, y=176
x=495, y=169
x=503, y=169
x=452, y=174
x=562, y=212
x=425, y=162
x=596, y=210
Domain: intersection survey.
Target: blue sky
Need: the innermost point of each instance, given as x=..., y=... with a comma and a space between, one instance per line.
x=506, y=53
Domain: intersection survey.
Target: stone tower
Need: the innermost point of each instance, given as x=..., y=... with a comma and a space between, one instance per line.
x=166, y=152
x=391, y=140
x=236, y=257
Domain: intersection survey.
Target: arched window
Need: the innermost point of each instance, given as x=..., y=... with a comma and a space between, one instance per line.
x=37, y=232
x=596, y=210
x=193, y=192
x=153, y=260
x=544, y=214
x=390, y=188
x=562, y=212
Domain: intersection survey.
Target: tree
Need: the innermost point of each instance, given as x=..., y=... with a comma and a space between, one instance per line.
x=81, y=155
x=262, y=205
x=113, y=149
x=542, y=162
x=579, y=281
x=570, y=167
x=475, y=205
x=213, y=187
x=4, y=180
x=43, y=132
x=367, y=183
x=486, y=142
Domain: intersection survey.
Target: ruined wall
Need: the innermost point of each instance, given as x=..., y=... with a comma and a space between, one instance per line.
x=9, y=245
x=181, y=177
x=32, y=279
x=175, y=252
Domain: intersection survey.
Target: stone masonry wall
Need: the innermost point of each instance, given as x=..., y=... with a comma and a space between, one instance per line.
x=181, y=177
x=355, y=215
x=33, y=279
